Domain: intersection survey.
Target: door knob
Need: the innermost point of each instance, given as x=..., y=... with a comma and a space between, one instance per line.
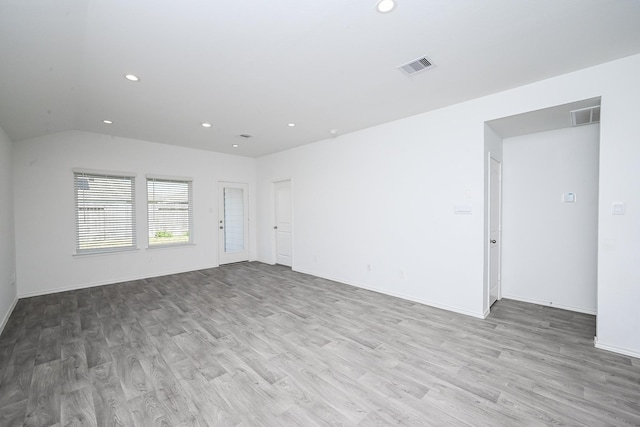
x=275, y=227
x=493, y=241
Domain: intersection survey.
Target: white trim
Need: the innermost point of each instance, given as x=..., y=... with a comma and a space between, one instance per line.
x=8, y=315
x=169, y=178
x=488, y=234
x=104, y=252
x=170, y=246
x=246, y=187
x=113, y=282
x=273, y=181
x=121, y=223
x=190, y=211
x=104, y=172
x=615, y=349
x=592, y=311
x=477, y=315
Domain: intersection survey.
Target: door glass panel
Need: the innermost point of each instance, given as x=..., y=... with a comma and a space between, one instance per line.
x=233, y=220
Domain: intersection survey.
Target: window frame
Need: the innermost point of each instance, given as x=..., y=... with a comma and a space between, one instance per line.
x=189, y=203
x=132, y=242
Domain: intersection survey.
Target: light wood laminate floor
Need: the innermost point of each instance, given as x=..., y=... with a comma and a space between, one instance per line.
x=257, y=345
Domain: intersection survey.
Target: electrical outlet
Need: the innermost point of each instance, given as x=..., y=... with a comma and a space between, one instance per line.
x=368, y=267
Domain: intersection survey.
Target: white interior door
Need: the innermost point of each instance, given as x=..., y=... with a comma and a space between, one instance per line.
x=283, y=224
x=494, y=230
x=233, y=223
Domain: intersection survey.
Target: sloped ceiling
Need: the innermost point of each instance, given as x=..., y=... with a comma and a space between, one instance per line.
x=254, y=66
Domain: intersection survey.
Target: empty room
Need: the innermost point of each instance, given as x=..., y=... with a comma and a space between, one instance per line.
x=367, y=213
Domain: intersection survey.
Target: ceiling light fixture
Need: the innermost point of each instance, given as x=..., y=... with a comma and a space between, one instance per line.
x=206, y=125
x=235, y=145
x=107, y=122
x=385, y=6
x=132, y=77
x=291, y=125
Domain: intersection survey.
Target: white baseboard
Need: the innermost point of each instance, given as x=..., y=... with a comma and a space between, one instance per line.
x=548, y=304
x=615, y=349
x=6, y=317
x=478, y=315
x=110, y=282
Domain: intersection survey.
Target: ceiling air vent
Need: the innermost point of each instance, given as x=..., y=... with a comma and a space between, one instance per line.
x=416, y=66
x=585, y=116
x=246, y=136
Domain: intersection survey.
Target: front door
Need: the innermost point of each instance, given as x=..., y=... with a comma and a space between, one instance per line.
x=233, y=223
x=494, y=231
x=283, y=224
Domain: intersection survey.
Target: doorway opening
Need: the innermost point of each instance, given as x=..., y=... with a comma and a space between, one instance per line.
x=547, y=210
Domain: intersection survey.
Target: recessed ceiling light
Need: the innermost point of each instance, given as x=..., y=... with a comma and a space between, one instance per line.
x=107, y=122
x=291, y=125
x=235, y=145
x=206, y=125
x=132, y=77
x=385, y=6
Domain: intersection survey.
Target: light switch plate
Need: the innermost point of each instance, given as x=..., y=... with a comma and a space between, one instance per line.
x=618, y=208
x=462, y=209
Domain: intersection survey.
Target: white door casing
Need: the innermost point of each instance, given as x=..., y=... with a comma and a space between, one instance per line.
x=283, y=222
x=233, y=222
x=495, y=184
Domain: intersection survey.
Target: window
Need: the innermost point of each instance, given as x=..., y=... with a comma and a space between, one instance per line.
x=105, y=212
x=170, y=212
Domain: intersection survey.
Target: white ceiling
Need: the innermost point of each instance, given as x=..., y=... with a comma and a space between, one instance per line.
x=253, y=66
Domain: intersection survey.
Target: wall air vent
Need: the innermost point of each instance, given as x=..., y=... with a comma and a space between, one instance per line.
x=416, y=66
x=585, y=116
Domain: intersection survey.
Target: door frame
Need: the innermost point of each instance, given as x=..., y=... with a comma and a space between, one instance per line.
x=488, y=242
x=221, y=253
x=274, y=218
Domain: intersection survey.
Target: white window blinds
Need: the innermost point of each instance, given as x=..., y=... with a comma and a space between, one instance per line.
x=170, y=211
x=105, y=212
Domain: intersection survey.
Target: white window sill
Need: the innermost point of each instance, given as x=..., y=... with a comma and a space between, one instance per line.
x=104, y=252
x=178, y=245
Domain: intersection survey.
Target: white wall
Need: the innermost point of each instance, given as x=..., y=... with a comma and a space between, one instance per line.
x=549, y=248
x=44, y=207
x=384, y=196
x=492, y=145
x=7, y=244
x=619, y=235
